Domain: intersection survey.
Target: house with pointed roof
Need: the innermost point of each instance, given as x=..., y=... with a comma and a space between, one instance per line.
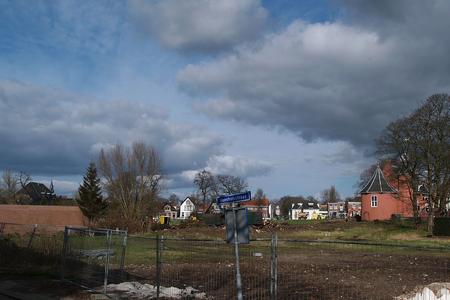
x=187, y=207
x=383, y=196
x=169, y=210
x=37, y=193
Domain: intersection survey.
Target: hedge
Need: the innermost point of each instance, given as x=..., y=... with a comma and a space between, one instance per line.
x=441, y=226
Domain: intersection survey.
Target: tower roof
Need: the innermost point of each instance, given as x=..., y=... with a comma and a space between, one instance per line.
x=377, y=184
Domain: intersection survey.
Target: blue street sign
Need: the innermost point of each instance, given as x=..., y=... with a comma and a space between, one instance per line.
x=224, y=199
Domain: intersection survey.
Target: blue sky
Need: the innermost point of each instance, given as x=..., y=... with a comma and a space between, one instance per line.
x=288, y=94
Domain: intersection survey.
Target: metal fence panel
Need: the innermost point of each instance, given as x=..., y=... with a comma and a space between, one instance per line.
x=270, y=268
x=30, y=248
x=92, y=258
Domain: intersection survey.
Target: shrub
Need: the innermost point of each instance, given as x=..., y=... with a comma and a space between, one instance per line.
x=441, y=226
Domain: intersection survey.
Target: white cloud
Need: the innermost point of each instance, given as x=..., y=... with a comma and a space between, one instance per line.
x=238, y=166
x=200, y=25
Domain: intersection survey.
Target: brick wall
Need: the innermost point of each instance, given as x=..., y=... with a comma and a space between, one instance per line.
x=58, y=216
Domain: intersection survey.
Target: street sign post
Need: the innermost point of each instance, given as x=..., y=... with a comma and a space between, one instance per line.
x=228, y=199
x=233, y=199
x=243, y=235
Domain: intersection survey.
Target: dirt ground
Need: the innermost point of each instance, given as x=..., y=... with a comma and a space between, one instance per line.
x=323, y=274
x=35, y=288
x=305, y=270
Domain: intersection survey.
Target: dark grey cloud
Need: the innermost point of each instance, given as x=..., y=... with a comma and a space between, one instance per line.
x=48, y=132
x=203, y=26
x=51, y=132
x=339, y=81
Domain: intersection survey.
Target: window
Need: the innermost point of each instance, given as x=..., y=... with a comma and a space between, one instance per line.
x=374, y=201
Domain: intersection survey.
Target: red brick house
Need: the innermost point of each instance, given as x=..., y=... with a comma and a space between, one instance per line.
x=382, y=198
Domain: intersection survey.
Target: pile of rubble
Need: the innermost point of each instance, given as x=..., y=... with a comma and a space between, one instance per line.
x=136, y=290
x=434, y=291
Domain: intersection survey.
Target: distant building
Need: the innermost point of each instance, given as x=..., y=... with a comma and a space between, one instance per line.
x=259, y=206
x=337, y=210
x=296, y=212
x=274, y=211
x=36, y=193
x=170, y=211
x=382, y=198
x=353, y=209
x=213, y=208
x=304, y=211
x=187, y=207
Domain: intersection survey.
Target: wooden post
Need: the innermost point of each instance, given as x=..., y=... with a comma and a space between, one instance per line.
x=30, y=241
x=158, y=264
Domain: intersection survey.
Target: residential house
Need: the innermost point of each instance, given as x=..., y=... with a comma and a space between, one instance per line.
x=37, y=193
x=353, y=209
x=213, y=208
x=170, y=211
x=274, y=211
x=259, y=206
x=312, y=210
x=187, y=207
x=296, y=212
x=323, y=211
x=337, y=210
x=304, y=210
x=384, y=196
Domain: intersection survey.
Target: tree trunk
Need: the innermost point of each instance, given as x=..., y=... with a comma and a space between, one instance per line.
x=430, y=222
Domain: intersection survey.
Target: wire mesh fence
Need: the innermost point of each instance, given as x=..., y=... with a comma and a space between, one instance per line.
x=30, y=248
x=288, y=269
x=169, y=267
x=93, y=258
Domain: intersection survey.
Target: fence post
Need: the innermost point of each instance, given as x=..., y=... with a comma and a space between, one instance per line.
x=108, y=249
x=122, y=258
x=159, y=240
x=64, y=252
x=274, y=267
x=32, y=236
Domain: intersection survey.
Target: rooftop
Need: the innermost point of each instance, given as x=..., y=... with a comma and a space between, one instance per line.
x=378, y=184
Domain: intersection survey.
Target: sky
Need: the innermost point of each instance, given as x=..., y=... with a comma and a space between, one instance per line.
x=288, y=94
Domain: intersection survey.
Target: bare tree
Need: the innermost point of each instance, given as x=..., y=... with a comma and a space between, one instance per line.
x=174, y=199
x=229, y=184
x=419, y=144
x=433, y=123
x=399, y=143
x=132, y=179
x=259, y=194
x=330, y=195
x=9, y=186
x=24, y=179
x=206, y=185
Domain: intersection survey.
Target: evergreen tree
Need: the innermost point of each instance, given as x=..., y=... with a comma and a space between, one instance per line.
x=90, y=198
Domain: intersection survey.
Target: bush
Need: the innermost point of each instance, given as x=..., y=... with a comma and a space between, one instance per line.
x=441, y=226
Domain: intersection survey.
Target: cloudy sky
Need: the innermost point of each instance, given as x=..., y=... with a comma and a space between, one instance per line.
x=288, y=94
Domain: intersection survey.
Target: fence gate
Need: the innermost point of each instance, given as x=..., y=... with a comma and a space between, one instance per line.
x=92, y=258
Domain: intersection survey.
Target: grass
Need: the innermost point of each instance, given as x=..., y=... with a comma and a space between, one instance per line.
x=141, y=249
